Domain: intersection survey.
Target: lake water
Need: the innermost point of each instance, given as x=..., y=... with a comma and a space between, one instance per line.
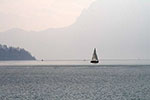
x=68, y=81
x=77, y=62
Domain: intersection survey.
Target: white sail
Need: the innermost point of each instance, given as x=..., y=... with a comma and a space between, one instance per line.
x=94, y=57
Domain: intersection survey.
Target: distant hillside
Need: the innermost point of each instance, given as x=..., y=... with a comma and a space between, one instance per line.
x=117, y=28
x=12, y=53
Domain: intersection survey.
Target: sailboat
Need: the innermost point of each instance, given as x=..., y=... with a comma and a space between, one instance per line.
x=94, y=57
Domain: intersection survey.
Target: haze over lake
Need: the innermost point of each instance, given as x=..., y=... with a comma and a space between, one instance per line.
x=118, y=29
x=60, y=36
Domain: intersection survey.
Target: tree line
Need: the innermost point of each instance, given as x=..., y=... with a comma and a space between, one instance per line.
x=13, y=53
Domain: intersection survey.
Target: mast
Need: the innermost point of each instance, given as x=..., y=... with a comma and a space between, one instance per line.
x=94, y=57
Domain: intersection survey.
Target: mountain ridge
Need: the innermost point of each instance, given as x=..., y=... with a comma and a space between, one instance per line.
x=113, y=28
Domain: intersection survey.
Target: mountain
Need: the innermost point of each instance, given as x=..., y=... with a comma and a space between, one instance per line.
x=117, y=28
x=11, y=53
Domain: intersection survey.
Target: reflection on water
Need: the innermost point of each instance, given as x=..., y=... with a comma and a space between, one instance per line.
x=77, y=62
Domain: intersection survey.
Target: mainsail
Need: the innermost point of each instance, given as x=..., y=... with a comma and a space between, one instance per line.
x=94, y=57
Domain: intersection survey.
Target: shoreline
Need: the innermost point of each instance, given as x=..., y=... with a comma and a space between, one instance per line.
x=115, y=65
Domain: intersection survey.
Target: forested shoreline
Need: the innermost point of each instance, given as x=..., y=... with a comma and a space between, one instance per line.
x=13, y=53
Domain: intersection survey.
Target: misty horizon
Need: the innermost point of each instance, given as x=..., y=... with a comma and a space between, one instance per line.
x=118, y=29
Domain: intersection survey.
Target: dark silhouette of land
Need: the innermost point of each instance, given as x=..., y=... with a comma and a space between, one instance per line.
x=12, y=53
x=118, y=29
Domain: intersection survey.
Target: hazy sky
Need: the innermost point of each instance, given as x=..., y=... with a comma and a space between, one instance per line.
x=40, y=14
x=117, y=28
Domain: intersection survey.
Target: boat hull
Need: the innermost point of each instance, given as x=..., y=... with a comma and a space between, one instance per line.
x=95, y=61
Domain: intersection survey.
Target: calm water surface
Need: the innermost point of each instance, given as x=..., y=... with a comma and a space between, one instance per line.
x=74, y=82
x=78, y=62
